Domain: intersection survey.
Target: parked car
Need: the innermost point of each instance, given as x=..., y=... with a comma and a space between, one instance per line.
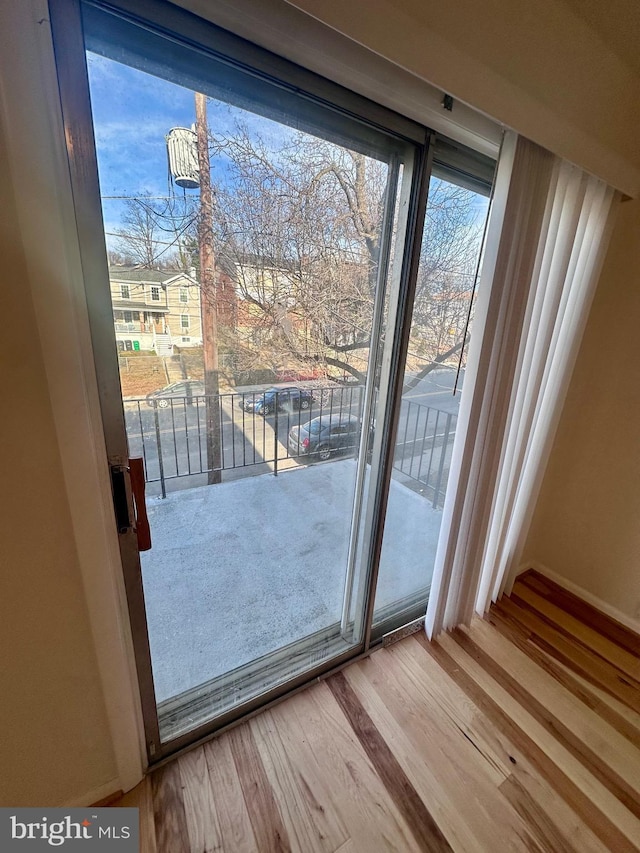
x=324, y=436
x=186, y=389
x=286, y=398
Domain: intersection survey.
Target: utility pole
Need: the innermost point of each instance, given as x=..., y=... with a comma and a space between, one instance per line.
x=208, y=301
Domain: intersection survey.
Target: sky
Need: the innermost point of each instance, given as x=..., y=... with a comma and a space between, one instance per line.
x=132, y=113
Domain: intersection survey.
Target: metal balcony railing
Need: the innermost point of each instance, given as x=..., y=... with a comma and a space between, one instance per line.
x=169, y=432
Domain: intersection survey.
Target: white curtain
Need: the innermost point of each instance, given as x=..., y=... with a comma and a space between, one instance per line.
x=549, y=228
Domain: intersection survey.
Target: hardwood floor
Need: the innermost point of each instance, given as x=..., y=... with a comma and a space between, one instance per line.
x=520, y=733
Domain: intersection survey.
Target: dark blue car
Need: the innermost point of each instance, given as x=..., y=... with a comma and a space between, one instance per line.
x=284, y=399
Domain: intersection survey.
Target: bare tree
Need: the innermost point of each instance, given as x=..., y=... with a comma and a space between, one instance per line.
x=296, y=230
x=446, y=275
x=157, y=234
x=301, y=226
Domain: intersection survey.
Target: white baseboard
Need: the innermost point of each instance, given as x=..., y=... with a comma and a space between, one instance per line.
x=593, y=600
x=95, y=796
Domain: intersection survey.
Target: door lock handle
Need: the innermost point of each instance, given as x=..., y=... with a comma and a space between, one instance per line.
x=143, y=531
x=120, y=499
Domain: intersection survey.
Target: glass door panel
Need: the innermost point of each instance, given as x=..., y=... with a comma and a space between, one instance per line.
x=432, y=386
x=249, y=233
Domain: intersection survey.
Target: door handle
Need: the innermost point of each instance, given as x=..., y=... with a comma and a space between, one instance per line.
x=143, y=531
x=120, y=499
x=123, y=504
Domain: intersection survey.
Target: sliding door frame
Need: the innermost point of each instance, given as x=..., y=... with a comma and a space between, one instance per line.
x=208, y=40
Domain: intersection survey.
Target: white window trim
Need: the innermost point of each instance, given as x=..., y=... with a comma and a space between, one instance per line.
x=323, y=49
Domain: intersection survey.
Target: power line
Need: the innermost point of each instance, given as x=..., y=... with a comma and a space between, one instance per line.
x=141, y=239
x=142, y=197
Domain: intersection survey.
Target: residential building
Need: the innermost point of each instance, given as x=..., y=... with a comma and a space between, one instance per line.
x=565, y=73
x=155, y=309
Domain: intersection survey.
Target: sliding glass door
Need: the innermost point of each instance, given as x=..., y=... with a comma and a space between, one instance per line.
x=251, y=283
x=433, y=375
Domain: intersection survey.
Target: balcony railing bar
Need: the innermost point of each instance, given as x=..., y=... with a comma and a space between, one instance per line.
x=163, y=430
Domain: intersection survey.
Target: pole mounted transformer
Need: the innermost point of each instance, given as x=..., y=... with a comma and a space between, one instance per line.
x=182, y=151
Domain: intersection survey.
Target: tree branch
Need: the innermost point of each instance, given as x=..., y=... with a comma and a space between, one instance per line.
x=438, y=360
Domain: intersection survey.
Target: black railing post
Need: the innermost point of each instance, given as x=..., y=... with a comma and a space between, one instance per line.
x=275, y=436
x=433, y=445
x=221, y=433
x=406, y=430
x=159, y=446
x=443, y=450
x=144, y=450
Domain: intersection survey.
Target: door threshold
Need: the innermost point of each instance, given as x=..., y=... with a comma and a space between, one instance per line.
x=405, y=631
x=228, y=694
x=195, y=736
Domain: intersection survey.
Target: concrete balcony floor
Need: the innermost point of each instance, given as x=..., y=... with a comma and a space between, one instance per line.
x=239, y=569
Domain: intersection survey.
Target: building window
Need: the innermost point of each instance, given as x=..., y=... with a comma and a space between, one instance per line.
x=125, y=293
x=184, y=321
x=128, y=317
x=184, y=294
x=155, y=294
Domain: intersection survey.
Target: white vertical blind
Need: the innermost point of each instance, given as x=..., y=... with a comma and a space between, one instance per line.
x=547, y=235
x=570, y=255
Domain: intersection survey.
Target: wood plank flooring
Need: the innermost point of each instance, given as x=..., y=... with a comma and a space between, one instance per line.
x=521, y=733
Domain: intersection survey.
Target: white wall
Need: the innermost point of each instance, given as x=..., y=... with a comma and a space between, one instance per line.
x=536, y=67
x=68, y=707
x=586, y=525
x=55, y=745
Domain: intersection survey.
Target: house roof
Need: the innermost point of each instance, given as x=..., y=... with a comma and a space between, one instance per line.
x=132, y=304
x=137, y=275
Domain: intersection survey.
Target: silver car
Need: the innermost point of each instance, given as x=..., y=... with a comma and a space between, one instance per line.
x=325, y=436
x=178, y=392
